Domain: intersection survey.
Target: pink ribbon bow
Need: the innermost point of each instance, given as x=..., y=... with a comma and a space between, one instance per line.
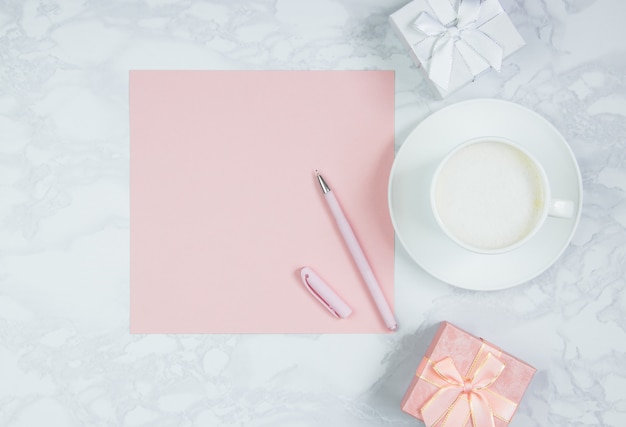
x=460, y=399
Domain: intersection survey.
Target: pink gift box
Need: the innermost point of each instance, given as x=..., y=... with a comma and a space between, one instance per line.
x=464, y=380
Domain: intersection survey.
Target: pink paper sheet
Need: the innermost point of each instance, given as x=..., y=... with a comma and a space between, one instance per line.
x=225, y=207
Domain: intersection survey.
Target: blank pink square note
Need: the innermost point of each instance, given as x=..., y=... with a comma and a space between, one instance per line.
x=225, y=207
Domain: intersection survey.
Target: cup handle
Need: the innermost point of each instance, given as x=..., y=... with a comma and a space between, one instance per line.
x=560, y=208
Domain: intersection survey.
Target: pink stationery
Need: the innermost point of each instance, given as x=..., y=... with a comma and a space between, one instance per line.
x=226, y=208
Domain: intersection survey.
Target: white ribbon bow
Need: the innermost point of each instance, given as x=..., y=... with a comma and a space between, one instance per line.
x=463, y=35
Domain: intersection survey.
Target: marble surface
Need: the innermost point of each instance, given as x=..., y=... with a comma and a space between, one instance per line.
x=66, y=357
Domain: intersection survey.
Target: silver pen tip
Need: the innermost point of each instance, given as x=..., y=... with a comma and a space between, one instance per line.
x=325, y=187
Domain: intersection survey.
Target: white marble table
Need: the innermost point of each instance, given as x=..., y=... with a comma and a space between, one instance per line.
x=66, y=357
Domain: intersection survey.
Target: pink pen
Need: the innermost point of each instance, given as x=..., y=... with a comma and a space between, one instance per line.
x=358, y=255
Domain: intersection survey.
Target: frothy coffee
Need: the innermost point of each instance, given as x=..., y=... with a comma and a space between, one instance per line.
x=489, y=195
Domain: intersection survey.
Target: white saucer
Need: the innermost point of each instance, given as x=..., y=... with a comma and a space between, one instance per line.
x=409, y=193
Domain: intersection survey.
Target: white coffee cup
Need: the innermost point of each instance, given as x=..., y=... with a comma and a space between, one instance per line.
x=490, y=195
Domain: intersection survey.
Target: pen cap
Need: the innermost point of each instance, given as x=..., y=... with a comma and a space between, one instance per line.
x=324, y=294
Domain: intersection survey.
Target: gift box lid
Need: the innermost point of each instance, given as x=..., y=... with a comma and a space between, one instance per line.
x=476, y=27
x=468, y=353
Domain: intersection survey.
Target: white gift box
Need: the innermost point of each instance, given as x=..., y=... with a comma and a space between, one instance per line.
x=454, y=41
